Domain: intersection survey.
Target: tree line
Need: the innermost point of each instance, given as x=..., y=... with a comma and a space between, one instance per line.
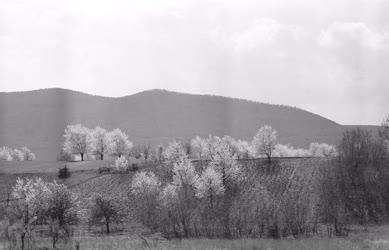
x=15, y=154
x=82, y=141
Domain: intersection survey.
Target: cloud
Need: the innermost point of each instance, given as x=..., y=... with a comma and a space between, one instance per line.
x=340, y=34
x=262, y=32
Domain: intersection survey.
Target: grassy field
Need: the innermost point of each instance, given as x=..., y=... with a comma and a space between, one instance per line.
x=81, y=172
x=37, y=167
x=375, y=238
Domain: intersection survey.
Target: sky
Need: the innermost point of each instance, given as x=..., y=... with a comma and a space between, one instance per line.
x=330, y=57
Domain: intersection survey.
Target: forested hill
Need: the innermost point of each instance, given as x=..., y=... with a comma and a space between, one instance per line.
x=37, y=118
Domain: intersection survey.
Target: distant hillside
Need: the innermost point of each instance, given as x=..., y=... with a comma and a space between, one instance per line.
x=37, y=118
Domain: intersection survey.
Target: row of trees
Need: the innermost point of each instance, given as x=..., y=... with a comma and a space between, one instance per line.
x=263, y=144
x=15, y=154
x=82, y=140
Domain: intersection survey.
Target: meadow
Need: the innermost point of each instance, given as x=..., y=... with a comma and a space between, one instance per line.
x=370, y=238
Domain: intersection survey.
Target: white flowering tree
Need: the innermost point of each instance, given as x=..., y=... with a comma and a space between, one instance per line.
x=223, y=158
x=145, y=184
x=145, y=187
x=5, y=154
x=37, y=200
x=28, y=155
x=121, y=163
x=223, y=161
x=199, y=147
x=281, y=150
x=210, y=184
x=184, y=173
x=118, y=143
x=97, y=142
x=30, y=202
x=322, y=150
x=183, y=187
x=17, y=155
x=62, y=211
x=76, y=140
x=264, y=141
x=242, y=148
x=174, y=152
x=217, y=148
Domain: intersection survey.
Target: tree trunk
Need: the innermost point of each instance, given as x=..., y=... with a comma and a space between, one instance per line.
x=82, y=156
x=22, y=240
x=101, y=156
x=269, y=158
x=54, y=241
x=107, y=226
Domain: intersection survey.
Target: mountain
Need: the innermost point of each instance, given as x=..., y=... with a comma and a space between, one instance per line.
x=38, y=118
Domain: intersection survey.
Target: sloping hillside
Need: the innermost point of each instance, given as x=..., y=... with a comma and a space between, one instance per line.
x=37, y=118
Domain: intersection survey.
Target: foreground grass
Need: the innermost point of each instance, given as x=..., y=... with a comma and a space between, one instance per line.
x=376, y=238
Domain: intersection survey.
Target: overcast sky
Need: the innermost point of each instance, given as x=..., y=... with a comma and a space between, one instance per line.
x=330, y=57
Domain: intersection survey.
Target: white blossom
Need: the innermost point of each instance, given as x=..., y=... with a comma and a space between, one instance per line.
x=145, y=183
x=174, y=152
x=199, y=147
x=5, y=154
x=322, y=150
x=289, y=151
x=264, y=141
x=17, y=155
x=210, y=183
x=76, y=139
x=27, y=154
x=97, y=142
x=121, y=163
x=118, y=143
x=184, y=173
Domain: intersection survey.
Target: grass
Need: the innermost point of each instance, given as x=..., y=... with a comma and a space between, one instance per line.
x=376, y=238
x=81, y=172
x=38, y=167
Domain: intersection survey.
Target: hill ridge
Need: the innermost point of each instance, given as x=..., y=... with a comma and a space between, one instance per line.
x=37, y=118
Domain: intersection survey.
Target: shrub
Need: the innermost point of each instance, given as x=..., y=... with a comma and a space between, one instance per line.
x=121, y=164
x=63, y=173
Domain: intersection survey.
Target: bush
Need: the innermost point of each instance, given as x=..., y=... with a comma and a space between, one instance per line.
x=121, y=163
x=105, y=170
x=64, y=173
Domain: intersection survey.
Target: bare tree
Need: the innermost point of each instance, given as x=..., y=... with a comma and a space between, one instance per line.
x=106, y=209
